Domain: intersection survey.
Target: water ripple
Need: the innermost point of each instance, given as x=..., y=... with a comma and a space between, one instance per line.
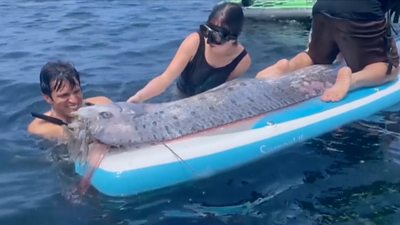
x=348, y=176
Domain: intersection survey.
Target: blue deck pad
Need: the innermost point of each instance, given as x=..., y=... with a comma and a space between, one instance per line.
x=316, y=105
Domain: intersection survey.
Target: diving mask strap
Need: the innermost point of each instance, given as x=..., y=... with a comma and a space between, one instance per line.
x=54, y=120
x=49, y=119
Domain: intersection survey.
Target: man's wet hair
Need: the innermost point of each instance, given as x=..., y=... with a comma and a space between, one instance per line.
x=55, y=74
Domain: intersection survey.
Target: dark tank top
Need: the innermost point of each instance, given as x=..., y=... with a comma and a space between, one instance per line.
x=359, y=10
x=198, y=76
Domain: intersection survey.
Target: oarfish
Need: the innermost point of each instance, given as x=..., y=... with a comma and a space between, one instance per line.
x=124, y=124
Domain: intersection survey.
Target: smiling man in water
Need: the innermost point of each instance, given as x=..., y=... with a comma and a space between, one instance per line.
x=61, y=88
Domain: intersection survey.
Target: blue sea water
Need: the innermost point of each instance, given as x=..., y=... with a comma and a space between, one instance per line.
x=348, y=176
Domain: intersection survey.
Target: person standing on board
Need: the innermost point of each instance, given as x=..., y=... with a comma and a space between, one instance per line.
x=61, y=88
x=205, y=59
x=359, y=31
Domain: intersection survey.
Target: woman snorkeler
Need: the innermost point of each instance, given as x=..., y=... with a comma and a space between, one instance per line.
x=205, y=59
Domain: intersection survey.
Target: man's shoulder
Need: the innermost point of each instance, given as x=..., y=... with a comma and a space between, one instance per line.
x=99, y=100
x=45, y=129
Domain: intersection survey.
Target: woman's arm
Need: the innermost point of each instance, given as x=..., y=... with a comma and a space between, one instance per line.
x=159, y=84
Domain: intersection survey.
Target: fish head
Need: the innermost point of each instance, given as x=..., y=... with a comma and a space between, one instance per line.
x=101, y=115
x=111, y=124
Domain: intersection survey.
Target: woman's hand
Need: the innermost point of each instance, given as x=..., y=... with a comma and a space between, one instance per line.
x=134, y=99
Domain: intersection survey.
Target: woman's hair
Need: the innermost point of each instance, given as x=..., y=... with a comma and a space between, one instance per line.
x=54, y=75
x=229, y=16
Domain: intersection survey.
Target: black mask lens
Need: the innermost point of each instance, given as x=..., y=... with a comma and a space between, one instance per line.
x=213, y=36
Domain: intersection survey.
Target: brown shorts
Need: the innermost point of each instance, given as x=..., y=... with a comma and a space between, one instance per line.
x=361, y=43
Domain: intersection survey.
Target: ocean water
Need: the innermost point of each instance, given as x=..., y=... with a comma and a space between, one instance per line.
x=347, y=176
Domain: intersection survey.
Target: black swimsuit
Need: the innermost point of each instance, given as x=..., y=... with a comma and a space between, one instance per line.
x=198, y=76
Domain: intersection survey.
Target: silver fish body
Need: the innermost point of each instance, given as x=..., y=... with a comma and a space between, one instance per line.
x=125, y=124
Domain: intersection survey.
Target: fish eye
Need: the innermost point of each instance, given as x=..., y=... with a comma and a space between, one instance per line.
x=105, y=115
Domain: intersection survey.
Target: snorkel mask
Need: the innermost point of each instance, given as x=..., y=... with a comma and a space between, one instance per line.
x=216, y=35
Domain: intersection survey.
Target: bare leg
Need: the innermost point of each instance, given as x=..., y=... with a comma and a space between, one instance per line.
x=340, y=88
x=283, y=66
x=372, y=75
x=279, y=68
